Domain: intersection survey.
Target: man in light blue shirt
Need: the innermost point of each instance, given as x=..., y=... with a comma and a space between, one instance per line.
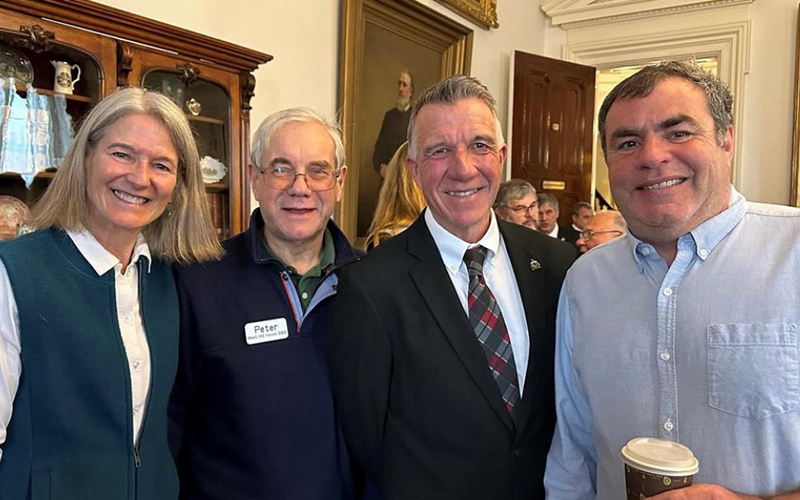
x=687, y=328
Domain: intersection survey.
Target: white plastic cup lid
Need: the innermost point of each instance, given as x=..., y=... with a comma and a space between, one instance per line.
x=660, y=456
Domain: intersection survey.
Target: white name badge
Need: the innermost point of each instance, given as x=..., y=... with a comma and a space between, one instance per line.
x=266, y=331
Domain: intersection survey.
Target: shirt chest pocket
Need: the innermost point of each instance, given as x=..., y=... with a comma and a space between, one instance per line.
x=753, y=369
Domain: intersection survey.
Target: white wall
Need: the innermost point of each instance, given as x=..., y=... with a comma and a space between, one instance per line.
x=769, y=96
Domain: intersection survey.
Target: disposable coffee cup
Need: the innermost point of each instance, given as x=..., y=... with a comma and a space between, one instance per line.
x=654, y=465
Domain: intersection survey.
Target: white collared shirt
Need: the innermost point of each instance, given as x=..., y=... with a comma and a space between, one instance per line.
x=499, y=276
x=554, y=232
x=129, y=320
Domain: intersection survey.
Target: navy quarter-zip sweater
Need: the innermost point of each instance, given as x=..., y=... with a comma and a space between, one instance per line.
x=71, y=431
x=256, y=421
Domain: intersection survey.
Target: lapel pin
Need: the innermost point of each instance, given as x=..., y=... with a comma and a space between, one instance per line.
x=535, y=266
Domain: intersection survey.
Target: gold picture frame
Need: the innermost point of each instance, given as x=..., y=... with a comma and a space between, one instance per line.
x=795, y=194
x=381, y=39
x=481, y=12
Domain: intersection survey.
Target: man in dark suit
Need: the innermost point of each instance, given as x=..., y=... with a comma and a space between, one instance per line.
x=441, y=393
x=548, y=220
x=395, y=124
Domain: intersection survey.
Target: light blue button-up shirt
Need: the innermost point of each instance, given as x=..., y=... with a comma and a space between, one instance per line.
x=704, y=352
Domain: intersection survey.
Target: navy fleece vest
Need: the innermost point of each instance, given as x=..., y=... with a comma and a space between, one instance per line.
x=70, y=434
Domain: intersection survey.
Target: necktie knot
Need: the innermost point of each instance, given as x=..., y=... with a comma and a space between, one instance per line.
x=474, y=258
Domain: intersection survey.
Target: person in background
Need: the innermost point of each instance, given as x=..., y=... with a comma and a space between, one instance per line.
x=442, y=368
x=89, y=318
x=399, y=202
x=604, y=226
x=516, y=202
x=581, y=213
x=548, y=220
x=252, y=413
x=694, y=338
x=394, y=127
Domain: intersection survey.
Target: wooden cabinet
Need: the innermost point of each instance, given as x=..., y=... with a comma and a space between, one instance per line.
x=210, y=79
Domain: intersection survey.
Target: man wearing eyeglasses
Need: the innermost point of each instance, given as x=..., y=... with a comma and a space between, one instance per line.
x=251, y=412
x=603, y=226
x=516, y=202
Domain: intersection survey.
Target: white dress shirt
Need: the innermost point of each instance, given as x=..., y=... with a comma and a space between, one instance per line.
x=129, y=320
x=499, y=276
x=554, y=232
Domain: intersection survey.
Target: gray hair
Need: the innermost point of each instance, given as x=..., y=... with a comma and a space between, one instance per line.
x=185, y=232
x=450, y=91
x=276, y=120
x=547, y=199
x=640, y=84
x=513, y=189
x=576, y=208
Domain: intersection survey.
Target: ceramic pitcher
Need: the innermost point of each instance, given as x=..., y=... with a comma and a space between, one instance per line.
x=63, y=81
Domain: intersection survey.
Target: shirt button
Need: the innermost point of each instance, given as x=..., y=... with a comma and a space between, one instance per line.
x=304, y=295
x=703, y=253
x=644, y=251
x=665, y=355
x=668, y=425
x=668, y=291
x=127, y=319
x=137, y=364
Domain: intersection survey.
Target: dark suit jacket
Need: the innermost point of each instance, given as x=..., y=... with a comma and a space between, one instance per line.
x=566, y=233
x=419, y=408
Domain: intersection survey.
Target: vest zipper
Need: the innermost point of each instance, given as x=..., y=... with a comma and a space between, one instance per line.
x=136, y=458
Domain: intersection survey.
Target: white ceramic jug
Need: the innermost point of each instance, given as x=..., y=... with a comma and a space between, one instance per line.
x=63, y=82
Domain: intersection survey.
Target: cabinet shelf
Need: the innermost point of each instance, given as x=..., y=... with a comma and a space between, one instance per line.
x=204, y=119
x=21, y=87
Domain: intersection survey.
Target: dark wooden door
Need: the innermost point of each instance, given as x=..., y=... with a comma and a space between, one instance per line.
x=551, y=143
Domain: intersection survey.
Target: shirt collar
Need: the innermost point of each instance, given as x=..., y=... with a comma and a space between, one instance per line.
x=452, y=248
x=101, y=259
x=706, y=236
x=326, y=260
x=554, y=232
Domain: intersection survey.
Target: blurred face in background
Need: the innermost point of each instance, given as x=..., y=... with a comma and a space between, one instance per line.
x=523, y=211
x=548, y=218
x=582, y=217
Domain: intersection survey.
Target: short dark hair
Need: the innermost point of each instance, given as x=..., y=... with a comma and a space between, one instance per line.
x=547, y=199
x=513, y=189
x=576, y=208
x=640, y=84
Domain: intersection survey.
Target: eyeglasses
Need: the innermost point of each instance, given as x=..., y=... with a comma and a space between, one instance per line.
x=589, y=234
x=318, y=178
x=521, y=208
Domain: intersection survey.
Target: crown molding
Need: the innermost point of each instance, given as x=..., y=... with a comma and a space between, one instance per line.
x=575, y=13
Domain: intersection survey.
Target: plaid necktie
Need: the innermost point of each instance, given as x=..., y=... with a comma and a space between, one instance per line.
x=490, y=328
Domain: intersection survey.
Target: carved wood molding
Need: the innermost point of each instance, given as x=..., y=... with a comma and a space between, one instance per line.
x=573, y=13
x=124, y=63
x=120, y=24
x=248, y=91
x=187, y=73
x=36, y=38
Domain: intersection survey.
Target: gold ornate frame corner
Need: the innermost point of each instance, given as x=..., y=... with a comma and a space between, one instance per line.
x=481, y=12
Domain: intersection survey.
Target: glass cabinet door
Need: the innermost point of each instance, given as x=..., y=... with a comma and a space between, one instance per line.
x=207, y=107
x=50, y=76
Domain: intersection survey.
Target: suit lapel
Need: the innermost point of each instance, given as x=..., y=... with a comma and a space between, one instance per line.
x=435, y=286
x=526, y=263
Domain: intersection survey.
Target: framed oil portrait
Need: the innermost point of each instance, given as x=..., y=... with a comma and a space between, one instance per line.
x=795, y=194
x=481, y=12
x=391, y=50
